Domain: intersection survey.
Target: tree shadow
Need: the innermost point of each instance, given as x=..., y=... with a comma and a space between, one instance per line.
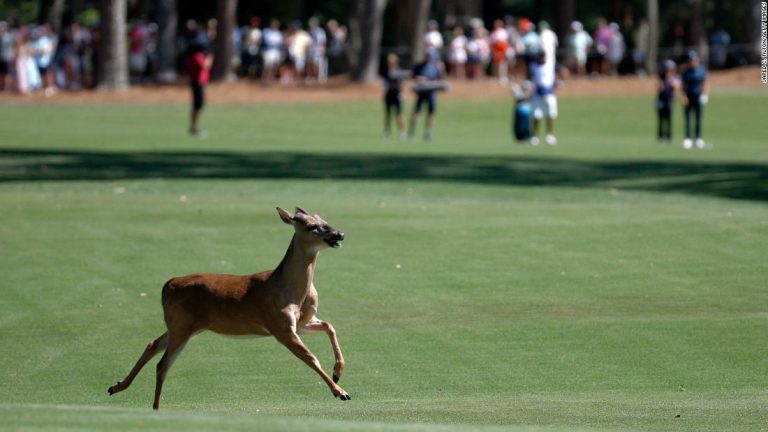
x=745, y=181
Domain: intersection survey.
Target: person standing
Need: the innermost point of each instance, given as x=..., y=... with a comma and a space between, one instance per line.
x=393, y=83
x=457, y=53
x=616, y=48
x=530, y=40
x=579, y=43
x=642, y=41
x=317, y=66
x=251, y=47
x=43, y=47
x=667, y=86
x=272, y=52
x=548, y=42
x=602, y=40
x=543, y=75
x=427, y=74
x=694, y=96
x=433, y=40
x=499, y=40
x=199, y=63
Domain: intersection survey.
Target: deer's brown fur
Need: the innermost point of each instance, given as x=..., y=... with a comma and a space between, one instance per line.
x=279, y=303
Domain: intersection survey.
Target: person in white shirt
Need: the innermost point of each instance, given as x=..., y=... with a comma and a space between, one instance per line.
x=43, y=47
x=251, y=46
x=548, y=42
x=579, y=42
x=272, y=50
x=433, y=40
x=317, y=65
x=543, y=76
x=457, y=53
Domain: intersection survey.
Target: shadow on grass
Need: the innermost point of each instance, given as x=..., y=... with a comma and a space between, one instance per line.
x=747, y=181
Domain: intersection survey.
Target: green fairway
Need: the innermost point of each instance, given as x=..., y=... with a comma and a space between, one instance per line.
x=608, y=283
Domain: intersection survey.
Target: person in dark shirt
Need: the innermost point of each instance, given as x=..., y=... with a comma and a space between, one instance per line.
x=198, y=68
x=694, y=97
x=427, y=75
x=668, y=84
x=393, y=82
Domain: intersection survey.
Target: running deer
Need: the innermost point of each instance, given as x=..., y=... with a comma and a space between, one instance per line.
x=280, y=303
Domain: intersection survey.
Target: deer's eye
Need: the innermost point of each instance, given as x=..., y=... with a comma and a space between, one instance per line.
x=312, y=228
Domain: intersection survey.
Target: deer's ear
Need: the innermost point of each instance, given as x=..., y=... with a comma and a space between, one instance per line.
x=301, y=210
x=285, y=216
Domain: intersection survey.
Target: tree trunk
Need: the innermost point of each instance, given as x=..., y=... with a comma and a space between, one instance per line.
x=167, y=19
x=112, y=71
x=698, y=32
x=51, y=11
x=365, y=27
x=564, y=12
x=222, y=61
x=653, y=44
x=410, y=25
x=453, y=13
x=753, y=29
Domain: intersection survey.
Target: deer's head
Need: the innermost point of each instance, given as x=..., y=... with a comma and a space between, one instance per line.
x=312, y=229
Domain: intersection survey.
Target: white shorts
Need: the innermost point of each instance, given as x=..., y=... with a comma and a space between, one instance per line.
x=272, y=57
x=544, y=106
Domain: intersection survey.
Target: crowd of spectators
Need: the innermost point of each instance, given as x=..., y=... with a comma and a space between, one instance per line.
x=287, y=54
x=35, y=58
x=509, y=47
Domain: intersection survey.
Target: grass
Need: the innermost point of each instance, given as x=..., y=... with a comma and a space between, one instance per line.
x=610, y=283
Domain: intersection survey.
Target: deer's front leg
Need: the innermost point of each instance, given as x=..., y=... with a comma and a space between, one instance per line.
x=318, y=325
x=291, y=340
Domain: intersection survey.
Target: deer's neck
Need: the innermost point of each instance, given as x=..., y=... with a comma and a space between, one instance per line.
x=296, y=270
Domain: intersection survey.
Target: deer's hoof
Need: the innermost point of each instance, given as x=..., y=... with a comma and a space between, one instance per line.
x=335, y=378
x=345, y=397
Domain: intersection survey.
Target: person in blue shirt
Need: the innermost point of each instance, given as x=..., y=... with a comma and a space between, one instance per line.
x=694, y=97
x=428, y=75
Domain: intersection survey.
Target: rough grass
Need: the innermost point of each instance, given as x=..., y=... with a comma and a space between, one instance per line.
x=610, y=283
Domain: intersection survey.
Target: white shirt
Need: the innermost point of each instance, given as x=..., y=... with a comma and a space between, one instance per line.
x=549, y=45
x=433, y=39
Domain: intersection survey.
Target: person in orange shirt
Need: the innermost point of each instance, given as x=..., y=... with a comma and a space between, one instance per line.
x=499, y=47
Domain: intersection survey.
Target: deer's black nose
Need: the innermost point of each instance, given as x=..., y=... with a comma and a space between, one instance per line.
x=339, y=235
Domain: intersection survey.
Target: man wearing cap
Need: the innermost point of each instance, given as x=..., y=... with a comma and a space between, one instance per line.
x=695, y=95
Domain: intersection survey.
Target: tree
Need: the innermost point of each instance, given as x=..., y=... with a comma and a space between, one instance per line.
x=51, y=11
x=410, y=25
x=112, y=70
x=222, y=61
x=698, y=35
x=565, y=13
x=167, y=19
x=365, y=27
x=753, y=28
x=653, y=43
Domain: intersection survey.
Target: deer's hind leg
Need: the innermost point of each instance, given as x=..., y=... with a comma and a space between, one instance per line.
x=176, y=343
x=152, y=349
